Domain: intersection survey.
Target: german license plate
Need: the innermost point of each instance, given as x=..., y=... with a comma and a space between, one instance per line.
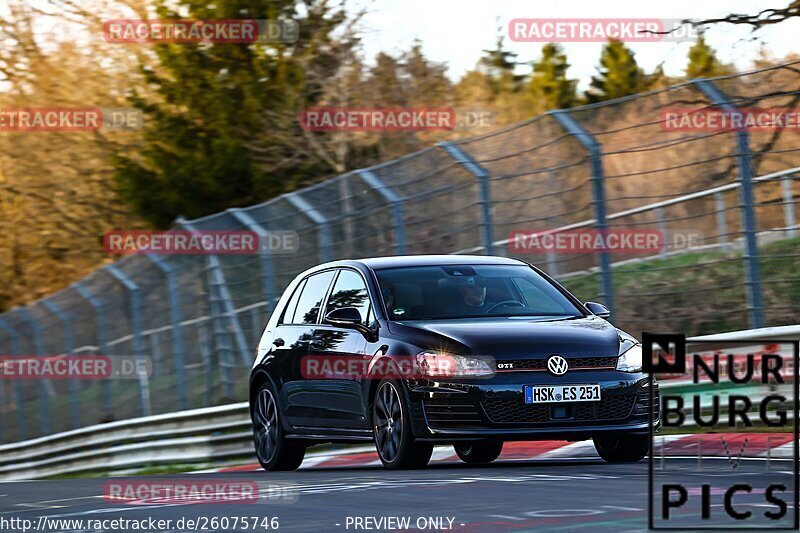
x=561, y=393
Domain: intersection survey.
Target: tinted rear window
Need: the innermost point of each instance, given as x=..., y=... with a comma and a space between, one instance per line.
x=310, y=300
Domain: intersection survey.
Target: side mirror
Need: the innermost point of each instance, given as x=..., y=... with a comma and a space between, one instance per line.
x=350, y=317
x=346, y=317
x=598, y=309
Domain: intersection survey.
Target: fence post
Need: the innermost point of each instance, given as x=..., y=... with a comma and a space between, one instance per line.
x=324, y=235
x=175, y=317
x=136, y=318
x=484, y=190
x=102, y=346
x=749, y=225
x=394, y=200
x=69, y=346
x=788, y=205
x=17, y=383
x=220, y=287
x=597, y=178
x=662, y=227
x=38, y=342
x=552, y=264
x=722, y=220
x=267, y=272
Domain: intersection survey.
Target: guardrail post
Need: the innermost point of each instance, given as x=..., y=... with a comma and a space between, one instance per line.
x=464, y=159
x=69, y=346
x=324, y=235
x=136, y=318
x=102, y=346
x=38, y=342
x=749, y=226
x=722, y=220
x=597, y=178
x=267, y=272
x=396, y=203
x=788, y=205
x=14, y=335
x=175, y=318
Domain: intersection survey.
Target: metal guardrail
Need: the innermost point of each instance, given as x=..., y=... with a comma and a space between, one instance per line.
x=197, y=435
x=194, y=436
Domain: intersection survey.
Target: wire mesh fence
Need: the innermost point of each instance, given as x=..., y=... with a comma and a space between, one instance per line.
x=723, y=202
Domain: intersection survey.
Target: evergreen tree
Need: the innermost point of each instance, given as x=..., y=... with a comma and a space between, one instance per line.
x=498, y=66
x=212, y=100
x=549, y=85
x=658, y=79
x=703, y=62
x=618, y=74
x=385, y=82
x=427, y=82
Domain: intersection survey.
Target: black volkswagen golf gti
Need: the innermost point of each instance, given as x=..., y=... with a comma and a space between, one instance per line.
x=472, y=351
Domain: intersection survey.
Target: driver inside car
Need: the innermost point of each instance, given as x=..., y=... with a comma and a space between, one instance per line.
x=471, y=296
x=473, y=292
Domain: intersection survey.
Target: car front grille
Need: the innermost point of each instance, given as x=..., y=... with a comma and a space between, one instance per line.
x=643, y=402
x=575, y=363
x=515, y=411
x=448, y=413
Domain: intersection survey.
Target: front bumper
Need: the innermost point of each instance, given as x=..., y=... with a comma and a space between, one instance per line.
x=496, y=408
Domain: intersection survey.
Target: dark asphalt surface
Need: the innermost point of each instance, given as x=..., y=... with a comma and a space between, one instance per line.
x=532, y=495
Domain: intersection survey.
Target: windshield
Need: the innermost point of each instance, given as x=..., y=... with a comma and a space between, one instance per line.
x=467, y=291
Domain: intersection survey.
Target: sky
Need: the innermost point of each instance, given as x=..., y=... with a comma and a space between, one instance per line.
x=456, y=31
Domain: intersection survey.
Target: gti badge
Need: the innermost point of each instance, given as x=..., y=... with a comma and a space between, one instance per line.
x=505, y=366
x=557, y=365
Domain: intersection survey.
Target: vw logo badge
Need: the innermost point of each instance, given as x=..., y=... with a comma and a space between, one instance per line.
x=557, y=365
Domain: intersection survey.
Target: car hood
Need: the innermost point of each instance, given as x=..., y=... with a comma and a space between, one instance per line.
x=515, y=338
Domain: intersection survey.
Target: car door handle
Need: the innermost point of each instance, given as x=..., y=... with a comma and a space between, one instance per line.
x=278, y=342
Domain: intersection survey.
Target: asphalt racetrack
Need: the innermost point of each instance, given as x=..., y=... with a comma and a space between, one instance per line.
x=510, y=495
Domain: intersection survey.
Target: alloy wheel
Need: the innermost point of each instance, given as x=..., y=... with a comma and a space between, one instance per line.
x=266, y=425
x=388, y=422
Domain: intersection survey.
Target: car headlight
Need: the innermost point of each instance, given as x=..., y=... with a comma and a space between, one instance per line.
x=439, y=364
x=631, y=360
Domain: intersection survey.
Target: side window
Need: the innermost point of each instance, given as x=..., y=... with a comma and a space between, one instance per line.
x=288, y=315
x=350, y=291
x=313, y=293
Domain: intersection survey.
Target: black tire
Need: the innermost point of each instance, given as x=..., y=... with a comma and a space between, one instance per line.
x=391, y=429
x=480, y=452
x=622, y=448
x=274, y=451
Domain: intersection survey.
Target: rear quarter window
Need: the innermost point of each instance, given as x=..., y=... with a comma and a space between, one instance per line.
x=311, y=297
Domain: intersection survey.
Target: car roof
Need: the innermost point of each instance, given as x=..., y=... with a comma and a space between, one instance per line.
x=401, y=261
